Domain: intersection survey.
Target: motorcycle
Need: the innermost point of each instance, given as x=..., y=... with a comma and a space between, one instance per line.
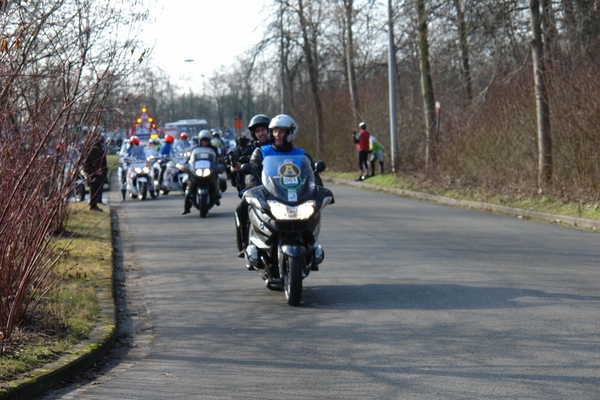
x=203, y=169
x=166, y=174
x=285, y=219
x=138, y=180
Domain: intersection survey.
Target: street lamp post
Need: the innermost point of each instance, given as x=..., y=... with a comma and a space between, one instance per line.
x=190, y=61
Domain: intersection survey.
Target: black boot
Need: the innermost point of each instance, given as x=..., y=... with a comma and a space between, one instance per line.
x=187, y=206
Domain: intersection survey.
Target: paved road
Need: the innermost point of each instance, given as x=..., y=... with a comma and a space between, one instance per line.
x=414, y=300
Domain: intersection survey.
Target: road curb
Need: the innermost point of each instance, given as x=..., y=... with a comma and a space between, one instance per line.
x=574, y=222
x=83, y=355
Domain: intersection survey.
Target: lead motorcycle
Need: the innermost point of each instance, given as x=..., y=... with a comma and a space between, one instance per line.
x=204, y=170
x=285, y=219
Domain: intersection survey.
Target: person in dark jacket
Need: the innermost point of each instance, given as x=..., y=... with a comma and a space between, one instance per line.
x=259, y=129
x=95, y=166
x=204, y=138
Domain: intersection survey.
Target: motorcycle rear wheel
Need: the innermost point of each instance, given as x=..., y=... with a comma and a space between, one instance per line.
x=293, y=281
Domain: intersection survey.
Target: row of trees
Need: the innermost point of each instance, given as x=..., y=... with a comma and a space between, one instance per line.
x=516, y=81
x=64, y=71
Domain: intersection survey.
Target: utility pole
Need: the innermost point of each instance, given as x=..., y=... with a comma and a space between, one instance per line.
x=392, y=86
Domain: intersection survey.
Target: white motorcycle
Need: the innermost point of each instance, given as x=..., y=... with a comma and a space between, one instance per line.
x=167, y=174
x=138, y=180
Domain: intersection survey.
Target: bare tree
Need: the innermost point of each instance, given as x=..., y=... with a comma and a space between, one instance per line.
x=60, y=65
x=350, y=51
x=541, y=98
x=309, y=29
x=426, y=84
x=464, y=48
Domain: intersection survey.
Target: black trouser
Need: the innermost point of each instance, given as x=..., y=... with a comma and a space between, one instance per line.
x=96, y=184
x=242, y=217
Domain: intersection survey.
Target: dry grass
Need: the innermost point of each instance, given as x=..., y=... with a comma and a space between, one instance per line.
x=67, y=314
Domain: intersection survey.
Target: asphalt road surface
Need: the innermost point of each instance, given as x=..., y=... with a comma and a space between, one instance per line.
x=413, y=300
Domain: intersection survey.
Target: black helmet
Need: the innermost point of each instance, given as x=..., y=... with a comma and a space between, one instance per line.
x=256, y=121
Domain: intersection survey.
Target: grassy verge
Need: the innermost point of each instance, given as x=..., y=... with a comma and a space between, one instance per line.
x=68, y=312
x=544, y=203
x=112, y=162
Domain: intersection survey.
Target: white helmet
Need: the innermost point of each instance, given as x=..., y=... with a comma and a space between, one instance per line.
x=204, y=134
x=362, y=125
x=286, y=122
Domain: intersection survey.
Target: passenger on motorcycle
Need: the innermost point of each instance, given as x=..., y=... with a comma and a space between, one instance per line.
x=259, y=129
x=204, y=140
x=150, y=149
x=217, y=142
x=182, y=144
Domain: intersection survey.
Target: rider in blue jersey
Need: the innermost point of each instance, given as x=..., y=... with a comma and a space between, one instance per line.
x=282, y=132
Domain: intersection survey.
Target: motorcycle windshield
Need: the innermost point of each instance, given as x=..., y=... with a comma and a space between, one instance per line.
x=288, y=178
x=202, y=157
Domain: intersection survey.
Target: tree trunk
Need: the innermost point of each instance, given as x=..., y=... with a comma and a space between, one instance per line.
x=426, y=85
x=541, y=98
x=549, y=32
x=311, y=65
x=351, y=70
x=464, y=49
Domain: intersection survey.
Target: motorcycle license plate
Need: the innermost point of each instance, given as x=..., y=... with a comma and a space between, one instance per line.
x=290, y=181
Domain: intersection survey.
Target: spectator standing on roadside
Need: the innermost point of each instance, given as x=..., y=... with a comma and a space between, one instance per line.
x=95, y=166
x=362, y=144
x=376, y=154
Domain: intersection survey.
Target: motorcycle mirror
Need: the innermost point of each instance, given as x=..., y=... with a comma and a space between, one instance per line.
x=320, y=166
x=246, y=169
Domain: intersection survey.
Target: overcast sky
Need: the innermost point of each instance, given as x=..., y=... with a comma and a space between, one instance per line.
x=210, y=32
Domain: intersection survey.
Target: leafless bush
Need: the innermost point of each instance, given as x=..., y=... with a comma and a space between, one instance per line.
x=63, y=68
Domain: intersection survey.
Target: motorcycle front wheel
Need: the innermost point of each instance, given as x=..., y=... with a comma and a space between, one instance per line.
x=203, y=205
x=143, y=191
x=293, y=281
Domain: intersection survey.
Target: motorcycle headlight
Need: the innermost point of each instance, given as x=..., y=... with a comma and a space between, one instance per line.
x=283, y=212
x=146, y=170
x=138, y=170
x=203, y=172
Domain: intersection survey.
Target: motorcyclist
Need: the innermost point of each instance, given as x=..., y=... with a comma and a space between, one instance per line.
x=132, y=151
x=282, y=132
x=259, y=129
x=204, y=138
x=166, y=150
x=165, y=153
